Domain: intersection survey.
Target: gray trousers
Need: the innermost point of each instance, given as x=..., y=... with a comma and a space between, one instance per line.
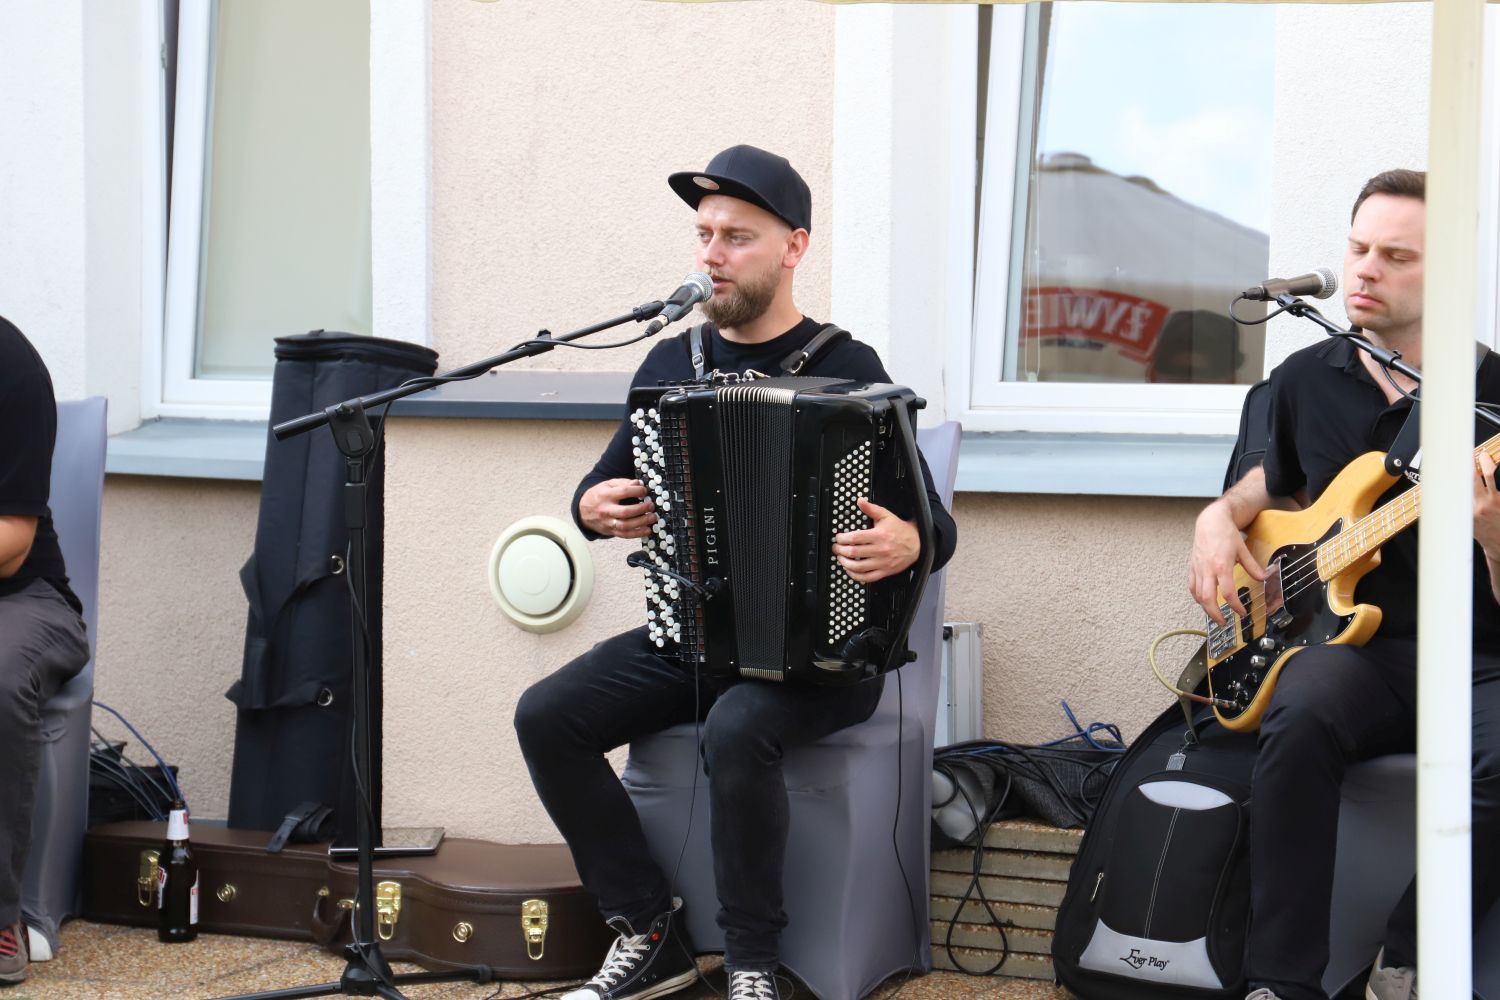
x=42, y=646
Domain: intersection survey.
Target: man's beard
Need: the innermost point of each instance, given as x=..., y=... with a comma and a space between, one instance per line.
x=746, y=303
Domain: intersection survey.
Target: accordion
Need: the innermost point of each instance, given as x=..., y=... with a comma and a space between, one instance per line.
x=752, y=479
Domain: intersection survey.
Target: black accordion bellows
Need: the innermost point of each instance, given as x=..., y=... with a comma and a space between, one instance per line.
x=752, y=480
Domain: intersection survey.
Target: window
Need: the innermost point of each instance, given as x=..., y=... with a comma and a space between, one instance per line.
x=270, y=193
x=1120, y=212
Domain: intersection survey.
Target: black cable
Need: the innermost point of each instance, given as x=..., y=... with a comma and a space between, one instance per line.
x=1035, y=763
x=982, y=830
x=549, y=991
x=687, y=834
x=538, y=341
x=96, y=767
x=1252, y=322
x=148, y=774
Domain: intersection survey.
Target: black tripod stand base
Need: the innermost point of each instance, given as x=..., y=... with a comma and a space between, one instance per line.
x=369, y=975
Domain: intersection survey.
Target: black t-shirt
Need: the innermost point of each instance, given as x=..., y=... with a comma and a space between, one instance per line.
x=671, y=361
x=1326, y=411
x=28, y=430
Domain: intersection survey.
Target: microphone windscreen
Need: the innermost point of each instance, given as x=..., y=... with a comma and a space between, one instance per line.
x=1330, y=283
x=704, y=284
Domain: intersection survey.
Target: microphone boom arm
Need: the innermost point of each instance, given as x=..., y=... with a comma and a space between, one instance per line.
x=541, y=344
x=1388, y=359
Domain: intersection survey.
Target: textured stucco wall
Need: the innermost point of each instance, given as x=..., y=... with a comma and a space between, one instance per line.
x=454, y=665
x=555, y=125
x=1069, y=592
x=172, y=621
x=1332, y=134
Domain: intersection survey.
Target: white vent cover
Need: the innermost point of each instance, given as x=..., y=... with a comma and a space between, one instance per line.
x=541, y=573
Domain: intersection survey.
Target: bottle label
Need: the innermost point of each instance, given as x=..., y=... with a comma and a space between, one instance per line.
x=161, y=886
x=193, y=903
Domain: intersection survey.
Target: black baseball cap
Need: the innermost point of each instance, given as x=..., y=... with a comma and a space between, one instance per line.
x=752, y=175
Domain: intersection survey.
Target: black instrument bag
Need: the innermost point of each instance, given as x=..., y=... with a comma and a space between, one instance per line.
x=295, y=693
x=1158, y=902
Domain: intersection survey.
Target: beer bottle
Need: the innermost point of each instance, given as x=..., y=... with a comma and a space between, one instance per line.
x=177, y=881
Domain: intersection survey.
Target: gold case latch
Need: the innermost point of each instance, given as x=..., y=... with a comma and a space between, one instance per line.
x=387, y=909
x=534, y=926
x=145, y=882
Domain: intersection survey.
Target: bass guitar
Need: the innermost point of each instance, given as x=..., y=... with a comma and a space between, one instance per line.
x=1313, y=560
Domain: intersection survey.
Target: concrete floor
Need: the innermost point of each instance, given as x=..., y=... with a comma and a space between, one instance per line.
x=106, y=962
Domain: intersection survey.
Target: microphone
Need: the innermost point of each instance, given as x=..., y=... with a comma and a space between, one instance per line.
x=695, y=288
x=1320, y=284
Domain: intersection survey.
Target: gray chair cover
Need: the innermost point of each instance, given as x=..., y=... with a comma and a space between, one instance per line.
x=50, y=890
x=1376, y=858
x=857, y=907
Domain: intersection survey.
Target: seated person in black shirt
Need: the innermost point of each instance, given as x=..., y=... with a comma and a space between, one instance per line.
x=1336, y=704
x=753, y=215
x=42, y=642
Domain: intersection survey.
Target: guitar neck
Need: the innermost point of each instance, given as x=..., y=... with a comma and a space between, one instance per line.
x=1380, y=525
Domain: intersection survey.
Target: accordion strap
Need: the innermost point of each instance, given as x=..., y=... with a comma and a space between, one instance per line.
x=695, y=345
x=793, y=363
x=798, y=359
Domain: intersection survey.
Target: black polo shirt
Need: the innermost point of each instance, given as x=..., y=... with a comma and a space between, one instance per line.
x=1326, y=410
x=28, y=429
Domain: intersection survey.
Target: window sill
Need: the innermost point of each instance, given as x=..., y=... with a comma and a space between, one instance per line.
x=1154, y=465
x=1147, y=465
x=190, y=449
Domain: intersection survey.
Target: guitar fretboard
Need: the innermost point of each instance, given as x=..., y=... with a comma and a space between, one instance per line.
x=1379, y=526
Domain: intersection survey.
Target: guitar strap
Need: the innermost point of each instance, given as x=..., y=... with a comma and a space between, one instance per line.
x=1405, y=454
x=1191, y=677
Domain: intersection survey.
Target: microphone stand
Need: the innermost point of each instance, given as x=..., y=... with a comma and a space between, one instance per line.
x=367, y=973
x=1391, y=360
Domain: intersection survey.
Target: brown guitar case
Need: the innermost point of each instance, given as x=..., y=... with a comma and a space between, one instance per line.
x=517, y=908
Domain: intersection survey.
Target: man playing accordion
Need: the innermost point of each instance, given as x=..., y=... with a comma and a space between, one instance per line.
x=752, y=224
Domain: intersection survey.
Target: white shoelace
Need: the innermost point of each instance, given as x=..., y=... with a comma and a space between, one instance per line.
x=752, y=986
x=621, y=960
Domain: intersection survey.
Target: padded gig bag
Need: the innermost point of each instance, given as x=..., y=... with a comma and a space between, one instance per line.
x=1158, y=902
x=294, y=695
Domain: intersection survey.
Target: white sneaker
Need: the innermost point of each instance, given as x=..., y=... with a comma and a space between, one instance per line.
x=641, y=966
x=41, y=950
x=1394, y=982
x=753, y=986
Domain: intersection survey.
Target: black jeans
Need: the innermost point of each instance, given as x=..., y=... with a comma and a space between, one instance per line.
x=42, y=646
x=620, y=690
x=1334, y=705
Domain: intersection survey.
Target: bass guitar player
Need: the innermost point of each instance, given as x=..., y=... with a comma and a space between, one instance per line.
x=1337, y=702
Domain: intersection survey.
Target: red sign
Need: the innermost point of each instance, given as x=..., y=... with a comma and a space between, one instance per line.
x=1091, y=318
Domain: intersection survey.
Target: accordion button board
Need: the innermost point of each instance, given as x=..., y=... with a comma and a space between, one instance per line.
x=752, y=480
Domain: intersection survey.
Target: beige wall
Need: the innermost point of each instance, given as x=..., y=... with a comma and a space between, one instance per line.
x=172, y=621
x=555, y=124
x=1069, y=592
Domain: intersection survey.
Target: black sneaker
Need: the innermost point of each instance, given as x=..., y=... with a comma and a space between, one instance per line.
x=753, y=986
x=14, y=953
x=641, y=966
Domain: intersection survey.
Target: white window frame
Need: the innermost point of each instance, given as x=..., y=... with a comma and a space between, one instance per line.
x=400, y=183
x=983, y=400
